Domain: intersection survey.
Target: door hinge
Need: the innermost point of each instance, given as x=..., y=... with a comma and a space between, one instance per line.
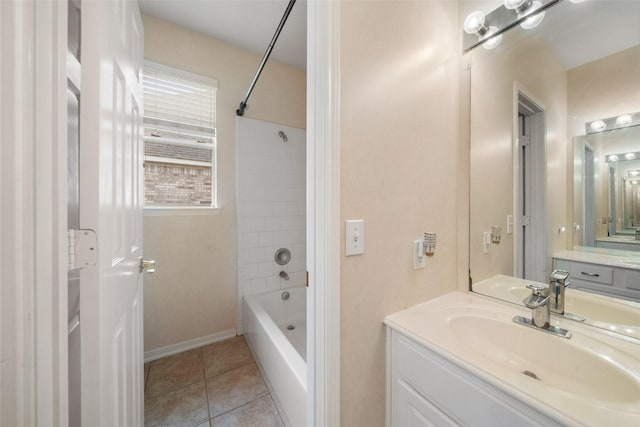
x=83, y=249
x=307, y=279
x=525, y=140
x=526, y=220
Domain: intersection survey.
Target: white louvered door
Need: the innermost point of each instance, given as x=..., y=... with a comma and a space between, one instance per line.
x=111, y=135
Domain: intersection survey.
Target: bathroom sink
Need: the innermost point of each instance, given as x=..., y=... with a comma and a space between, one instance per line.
x=547, y=359
x=590, y=379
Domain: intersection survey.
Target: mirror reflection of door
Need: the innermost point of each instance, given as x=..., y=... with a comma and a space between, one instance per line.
x=531, y=239
x=589, y=220
x=612, y=220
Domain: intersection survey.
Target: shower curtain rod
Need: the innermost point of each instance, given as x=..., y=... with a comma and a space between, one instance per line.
x=243, y=104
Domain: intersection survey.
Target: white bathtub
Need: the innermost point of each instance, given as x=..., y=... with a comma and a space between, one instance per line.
x=280, y=352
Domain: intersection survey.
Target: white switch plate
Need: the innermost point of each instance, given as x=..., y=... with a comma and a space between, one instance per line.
x=419, y=260
x=354, y=237
x=509, y=224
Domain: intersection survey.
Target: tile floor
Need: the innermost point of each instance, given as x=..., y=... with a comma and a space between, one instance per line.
x=218, y=385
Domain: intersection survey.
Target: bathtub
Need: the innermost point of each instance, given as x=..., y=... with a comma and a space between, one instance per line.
x=275, y=329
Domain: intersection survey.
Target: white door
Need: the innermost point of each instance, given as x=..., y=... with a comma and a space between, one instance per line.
x=111, y=204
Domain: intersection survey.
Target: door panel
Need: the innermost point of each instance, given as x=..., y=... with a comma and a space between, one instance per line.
x=111, y=204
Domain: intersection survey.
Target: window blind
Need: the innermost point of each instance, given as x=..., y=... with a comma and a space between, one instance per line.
x=178, y=106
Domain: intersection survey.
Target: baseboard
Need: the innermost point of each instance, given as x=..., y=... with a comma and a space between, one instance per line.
x=161, y=352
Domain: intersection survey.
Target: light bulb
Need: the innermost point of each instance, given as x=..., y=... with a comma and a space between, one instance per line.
x=634, y=173
x=533, y=20
x=492, y=42
x=630, y=156
x=474, y=23
x=624, y=120
x=613, y=158
x=514, y=4
x=598, y=125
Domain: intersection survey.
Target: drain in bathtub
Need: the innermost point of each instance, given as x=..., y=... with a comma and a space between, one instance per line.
x=291, y=327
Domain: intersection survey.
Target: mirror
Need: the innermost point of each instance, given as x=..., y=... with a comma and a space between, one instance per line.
x=605, y=198
x=536, y=177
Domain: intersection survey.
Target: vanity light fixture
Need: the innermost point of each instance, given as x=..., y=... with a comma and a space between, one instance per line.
x=612, y=158
x=475, y=24
x=633, y=173
x=526, y=8
x=612, y=123
x=486, y=29
x=630, y=156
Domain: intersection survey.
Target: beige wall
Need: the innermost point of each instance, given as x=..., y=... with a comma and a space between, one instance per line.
x=193, y=292
x=531, y=64
x=604, y=88
x=399, y=153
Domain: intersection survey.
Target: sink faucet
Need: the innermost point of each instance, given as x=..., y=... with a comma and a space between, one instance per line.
x=558, y=282
x=538, y=302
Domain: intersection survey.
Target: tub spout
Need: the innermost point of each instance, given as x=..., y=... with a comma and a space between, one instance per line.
x=284, y=275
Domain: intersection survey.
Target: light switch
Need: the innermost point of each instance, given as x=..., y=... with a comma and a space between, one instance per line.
x=355, y=237
x=509, y=224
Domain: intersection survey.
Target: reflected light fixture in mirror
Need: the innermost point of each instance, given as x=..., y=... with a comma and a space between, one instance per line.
x=611, y=123
x=626, y=156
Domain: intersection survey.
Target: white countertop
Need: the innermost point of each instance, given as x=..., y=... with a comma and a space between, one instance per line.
x=620, y=239
x=430, y=324
x=603, y=256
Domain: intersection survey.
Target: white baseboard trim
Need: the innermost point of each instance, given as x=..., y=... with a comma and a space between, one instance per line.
x=161, y=352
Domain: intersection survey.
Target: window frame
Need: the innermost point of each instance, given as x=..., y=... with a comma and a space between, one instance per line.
x=168, y=210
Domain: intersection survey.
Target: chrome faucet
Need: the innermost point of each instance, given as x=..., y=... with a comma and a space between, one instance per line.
x=540, y=304
x=558, y=282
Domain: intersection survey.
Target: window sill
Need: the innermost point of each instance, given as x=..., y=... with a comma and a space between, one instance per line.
x=181, y=211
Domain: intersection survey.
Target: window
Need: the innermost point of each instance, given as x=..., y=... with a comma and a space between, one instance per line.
x=179, y=138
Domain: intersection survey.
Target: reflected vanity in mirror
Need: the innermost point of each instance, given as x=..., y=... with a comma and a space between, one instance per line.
x=564, y=190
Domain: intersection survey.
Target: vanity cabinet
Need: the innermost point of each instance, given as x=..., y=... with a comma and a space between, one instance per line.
x=602, y=279
x=425, y=389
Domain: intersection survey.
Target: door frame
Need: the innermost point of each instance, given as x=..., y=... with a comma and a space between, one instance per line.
x=33, y=219
x=539, y=230
x=323, y=213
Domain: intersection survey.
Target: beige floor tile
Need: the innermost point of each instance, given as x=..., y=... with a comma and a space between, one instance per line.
x=205, y=424
x=234, y=388
x=174, y=372
x=260, y=412
x=225, y=356
x=186, y=407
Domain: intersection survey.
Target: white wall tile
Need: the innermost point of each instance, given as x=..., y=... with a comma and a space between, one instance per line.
x=271, y=207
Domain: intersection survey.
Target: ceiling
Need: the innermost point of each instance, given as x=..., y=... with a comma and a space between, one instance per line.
x=248, y=24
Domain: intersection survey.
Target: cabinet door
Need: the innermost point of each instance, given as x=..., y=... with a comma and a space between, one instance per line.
x=412, y=410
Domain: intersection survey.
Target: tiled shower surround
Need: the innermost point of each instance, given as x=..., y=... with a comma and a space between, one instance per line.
x=271, y=206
